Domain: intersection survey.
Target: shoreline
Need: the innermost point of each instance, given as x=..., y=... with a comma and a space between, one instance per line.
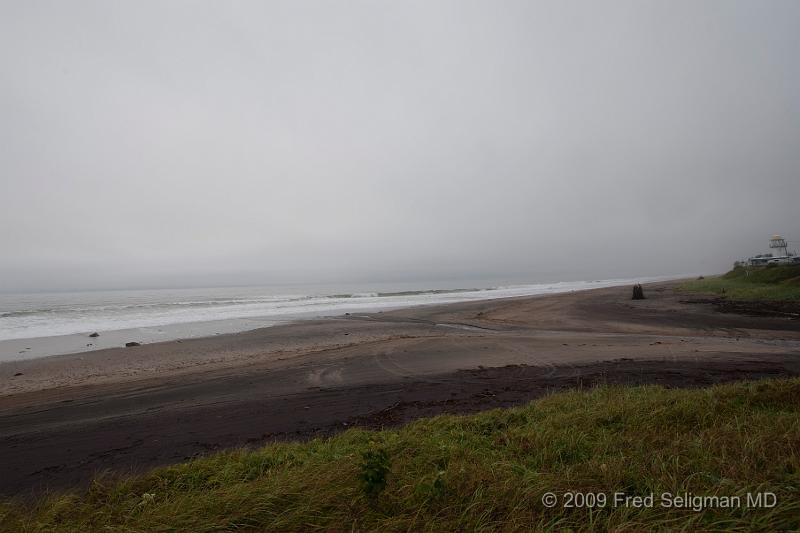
x=68, y=417
x=273, y=346
x=79, y=341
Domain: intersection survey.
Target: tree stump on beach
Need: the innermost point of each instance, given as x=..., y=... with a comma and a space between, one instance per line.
x=638, y=292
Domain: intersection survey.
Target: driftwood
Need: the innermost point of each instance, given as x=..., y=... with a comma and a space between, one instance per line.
x=638, y=292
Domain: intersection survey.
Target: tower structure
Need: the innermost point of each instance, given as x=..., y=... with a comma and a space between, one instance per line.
x=779, y=243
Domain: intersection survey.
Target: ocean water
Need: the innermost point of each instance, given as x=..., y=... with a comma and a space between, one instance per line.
x=166, y=314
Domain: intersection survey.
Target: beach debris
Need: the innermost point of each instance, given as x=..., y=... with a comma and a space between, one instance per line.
x=147, y=498
x=638, y=292
x=130, y=344
x=18, y=374
x=95, y=334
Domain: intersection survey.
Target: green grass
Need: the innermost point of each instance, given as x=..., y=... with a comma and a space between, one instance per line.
x=483, y=472
x=754, y=283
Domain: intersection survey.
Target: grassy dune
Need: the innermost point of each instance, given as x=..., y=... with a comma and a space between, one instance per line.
x=482, y=472
x=755, y=283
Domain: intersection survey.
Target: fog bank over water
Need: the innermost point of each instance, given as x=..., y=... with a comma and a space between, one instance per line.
x=152, y=144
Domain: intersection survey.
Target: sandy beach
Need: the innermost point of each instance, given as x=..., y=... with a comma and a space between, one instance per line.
x=65, y=418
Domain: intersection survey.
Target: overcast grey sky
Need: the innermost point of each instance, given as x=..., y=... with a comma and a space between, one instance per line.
x=158, y=143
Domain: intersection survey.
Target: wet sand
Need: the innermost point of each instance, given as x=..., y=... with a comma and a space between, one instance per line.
x=68, y=417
